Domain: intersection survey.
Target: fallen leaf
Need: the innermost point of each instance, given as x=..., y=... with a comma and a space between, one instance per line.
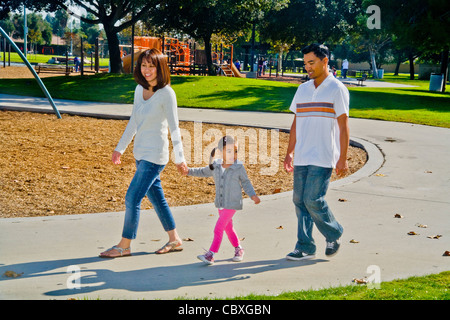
x=342, y=200
x=112, y=199
x=446, y=254
x=380, y=175
x=437, y=236
x=276, y=191
x=360, y=281
x=155, y=240
x=422, y=225
x=412, y=233
x=398, y=216
x=389, y=139
x=354, y=241
x=280, y=227
x=242, y=239
x=428, y=171
x=188, y=239
x=12, y=274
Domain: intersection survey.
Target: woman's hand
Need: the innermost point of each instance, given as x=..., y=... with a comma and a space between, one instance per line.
x=116, y=157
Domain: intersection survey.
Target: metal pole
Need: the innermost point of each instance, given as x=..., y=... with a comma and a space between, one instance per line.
x=82, y=57
x=132, y=45
x=25, y=30
x=41, y=84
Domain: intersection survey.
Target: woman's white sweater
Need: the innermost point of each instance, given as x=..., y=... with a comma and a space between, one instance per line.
x=149, y=123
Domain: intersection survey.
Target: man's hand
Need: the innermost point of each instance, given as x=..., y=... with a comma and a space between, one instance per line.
x=341, y=167
x=288, y=163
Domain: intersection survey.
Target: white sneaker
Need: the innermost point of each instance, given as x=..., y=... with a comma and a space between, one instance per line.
x=238, y=254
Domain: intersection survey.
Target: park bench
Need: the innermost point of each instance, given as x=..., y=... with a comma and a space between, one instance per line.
x=362, y=79
x=41, y=67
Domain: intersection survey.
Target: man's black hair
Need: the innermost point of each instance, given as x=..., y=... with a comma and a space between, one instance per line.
x=320, y=50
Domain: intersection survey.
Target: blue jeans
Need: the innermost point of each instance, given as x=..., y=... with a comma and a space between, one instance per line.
x=146, y=182
x=310, y=186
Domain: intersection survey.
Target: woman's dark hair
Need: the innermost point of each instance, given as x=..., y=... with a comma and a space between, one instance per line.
x=320, y=50
x=159, y=60
x=222, y=143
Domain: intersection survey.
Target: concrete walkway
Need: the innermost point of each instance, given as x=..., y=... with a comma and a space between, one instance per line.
x=407, y=174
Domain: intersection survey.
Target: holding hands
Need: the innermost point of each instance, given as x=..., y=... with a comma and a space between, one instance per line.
x=182, y=168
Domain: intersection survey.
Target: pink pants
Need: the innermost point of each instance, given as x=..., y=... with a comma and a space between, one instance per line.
x=224, y=223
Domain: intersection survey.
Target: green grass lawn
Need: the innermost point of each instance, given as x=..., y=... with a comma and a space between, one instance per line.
x=414, y=105
x=430, y=287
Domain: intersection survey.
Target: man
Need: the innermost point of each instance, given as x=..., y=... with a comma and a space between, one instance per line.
x=344, y=68
x=318, y=142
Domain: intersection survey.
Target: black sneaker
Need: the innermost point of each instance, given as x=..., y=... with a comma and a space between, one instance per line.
x=297, y=255
x=332, y=248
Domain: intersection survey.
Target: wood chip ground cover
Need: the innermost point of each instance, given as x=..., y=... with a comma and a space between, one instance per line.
x=55, y=167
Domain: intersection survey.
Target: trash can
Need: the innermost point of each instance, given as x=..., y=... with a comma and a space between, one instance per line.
x=380, y=73
x=436, y=81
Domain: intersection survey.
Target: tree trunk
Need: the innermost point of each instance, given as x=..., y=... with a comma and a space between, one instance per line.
x=411, y=66
x=211, y=69
x=444, y=66
x=280, y=60
x=374, y=64
x=397, y=67
x=115, y=61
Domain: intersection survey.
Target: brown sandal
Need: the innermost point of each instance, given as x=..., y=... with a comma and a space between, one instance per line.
x=173, y=247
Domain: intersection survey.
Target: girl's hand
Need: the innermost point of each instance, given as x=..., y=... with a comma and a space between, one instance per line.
x=116, y=157
x=256, y=199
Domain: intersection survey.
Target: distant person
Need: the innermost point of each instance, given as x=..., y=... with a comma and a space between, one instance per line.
x=238, y=65
x=318, y=142
x=260, y=67
x=230, y=178
x=344, y=68
x=154, y=112
x=76, y=62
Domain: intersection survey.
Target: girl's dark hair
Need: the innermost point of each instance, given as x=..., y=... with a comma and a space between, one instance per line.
x=159, y=60
x=321, y=51
x=222, y=143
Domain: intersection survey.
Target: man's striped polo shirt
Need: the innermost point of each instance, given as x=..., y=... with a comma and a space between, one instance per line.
x=317, y=131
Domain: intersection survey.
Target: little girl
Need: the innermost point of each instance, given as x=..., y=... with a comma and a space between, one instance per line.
x=230, y=177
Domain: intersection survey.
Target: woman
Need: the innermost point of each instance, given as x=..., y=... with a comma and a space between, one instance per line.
x=154, y=111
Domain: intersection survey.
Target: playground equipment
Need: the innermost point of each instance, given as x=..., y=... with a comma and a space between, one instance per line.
x=27, y=63
x=182, y=57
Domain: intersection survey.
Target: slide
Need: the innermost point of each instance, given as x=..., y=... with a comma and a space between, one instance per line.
x=236, y=72
x=126, y=61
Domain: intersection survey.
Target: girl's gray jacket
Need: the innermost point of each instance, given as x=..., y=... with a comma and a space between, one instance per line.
x=228, y=183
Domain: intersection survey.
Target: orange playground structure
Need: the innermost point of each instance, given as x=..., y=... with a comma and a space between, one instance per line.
x=183, y=57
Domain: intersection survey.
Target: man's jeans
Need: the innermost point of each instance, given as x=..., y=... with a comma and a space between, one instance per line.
x=310, y=186
x=146, y=181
